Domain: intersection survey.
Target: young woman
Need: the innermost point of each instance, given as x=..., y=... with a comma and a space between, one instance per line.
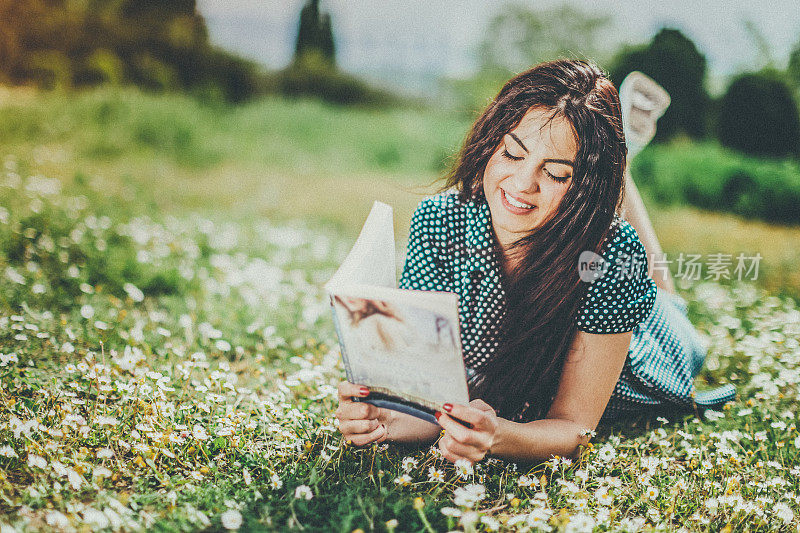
x=561, y=324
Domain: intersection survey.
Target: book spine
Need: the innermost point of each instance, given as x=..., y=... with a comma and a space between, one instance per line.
x=347, y=371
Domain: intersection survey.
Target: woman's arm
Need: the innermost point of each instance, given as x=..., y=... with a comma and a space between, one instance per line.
x=591, y=371
x=401, y=427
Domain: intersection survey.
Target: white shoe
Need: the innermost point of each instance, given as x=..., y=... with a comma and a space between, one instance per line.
x=643, y=101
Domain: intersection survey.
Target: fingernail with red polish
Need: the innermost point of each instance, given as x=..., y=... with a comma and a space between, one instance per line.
x=448, y=407
x=364, y=391
x=437, y=414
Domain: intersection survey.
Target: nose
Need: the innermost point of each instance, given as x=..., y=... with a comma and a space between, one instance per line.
x=526, y=179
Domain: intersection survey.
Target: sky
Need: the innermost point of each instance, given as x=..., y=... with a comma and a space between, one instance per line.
x=413, y=42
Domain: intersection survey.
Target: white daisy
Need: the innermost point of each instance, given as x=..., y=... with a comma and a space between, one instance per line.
x=304, y=492
x=231, y=519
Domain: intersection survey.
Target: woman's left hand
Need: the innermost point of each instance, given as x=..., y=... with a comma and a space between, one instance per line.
x=461, y=442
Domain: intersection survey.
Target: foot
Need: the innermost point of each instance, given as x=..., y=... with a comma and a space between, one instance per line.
x=643, y=101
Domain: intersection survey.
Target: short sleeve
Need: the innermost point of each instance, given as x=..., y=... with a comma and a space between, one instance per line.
x=624, y=294
x=422, y=269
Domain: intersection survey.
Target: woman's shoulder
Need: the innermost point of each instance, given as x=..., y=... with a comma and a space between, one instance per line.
x=622, y=239
x=624, y=253
x=442, y=203
x=434, y=231
x=439, y=210
x=624, y=294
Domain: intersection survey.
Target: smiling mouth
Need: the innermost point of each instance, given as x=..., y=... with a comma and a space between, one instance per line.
x=514, y=202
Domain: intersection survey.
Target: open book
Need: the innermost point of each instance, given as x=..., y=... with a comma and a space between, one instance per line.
x=404, y=345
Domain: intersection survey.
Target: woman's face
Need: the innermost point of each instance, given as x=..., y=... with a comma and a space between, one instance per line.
x=529, y=173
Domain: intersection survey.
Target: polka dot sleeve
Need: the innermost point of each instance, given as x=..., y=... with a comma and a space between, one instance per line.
x=422, y=269
x=624, y=295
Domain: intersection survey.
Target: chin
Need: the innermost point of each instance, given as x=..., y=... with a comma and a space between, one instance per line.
x=511, y=226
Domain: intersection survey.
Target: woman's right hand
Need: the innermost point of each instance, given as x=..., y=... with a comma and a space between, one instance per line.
x=360, y=423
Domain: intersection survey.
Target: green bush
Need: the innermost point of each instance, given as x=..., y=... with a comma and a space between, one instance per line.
x=711, y=177
x=236, y=79
x=758, y=116
x=313, y=76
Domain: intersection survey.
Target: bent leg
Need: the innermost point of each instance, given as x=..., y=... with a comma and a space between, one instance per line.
x=634, y=211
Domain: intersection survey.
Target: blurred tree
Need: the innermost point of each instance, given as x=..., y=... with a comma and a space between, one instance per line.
x=758, y=115
x=315, y=34
x=793, y=69
x=312, y=75
x=157, y=44
x=313, y=70
x=765, y=57
x=521, y=37
x=155, y=8
x=27, y=29
x=673, y=61
x=106, y=66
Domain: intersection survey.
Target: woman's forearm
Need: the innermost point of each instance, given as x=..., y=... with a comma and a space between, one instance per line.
x=532, y=441
x=401, y=427
x=538, y=440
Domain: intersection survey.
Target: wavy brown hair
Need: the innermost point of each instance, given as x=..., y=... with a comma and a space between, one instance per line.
x=544, y=291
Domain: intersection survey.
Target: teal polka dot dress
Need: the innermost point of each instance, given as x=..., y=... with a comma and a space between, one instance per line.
x=451, y=248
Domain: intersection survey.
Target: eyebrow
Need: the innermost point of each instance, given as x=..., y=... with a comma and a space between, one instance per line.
x=562, y=161
x=519, y=142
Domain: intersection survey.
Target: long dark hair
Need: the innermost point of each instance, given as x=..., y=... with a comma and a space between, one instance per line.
x=545, y=289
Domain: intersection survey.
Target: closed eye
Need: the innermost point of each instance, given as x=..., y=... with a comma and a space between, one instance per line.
x=507, y=155
x=559, y=179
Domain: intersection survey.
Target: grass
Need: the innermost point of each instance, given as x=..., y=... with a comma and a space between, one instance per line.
x=299, y=135
x=704, y=232
x=167, y=359
x=304, y=159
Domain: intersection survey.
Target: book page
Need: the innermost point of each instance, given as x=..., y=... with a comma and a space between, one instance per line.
x=404, y=343
x=371, y=261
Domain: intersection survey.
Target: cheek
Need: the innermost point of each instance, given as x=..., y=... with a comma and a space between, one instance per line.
x=496, y=170
x=555, y=193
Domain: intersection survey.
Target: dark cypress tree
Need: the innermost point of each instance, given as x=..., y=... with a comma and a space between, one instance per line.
x=326, y=45
x=315, y=34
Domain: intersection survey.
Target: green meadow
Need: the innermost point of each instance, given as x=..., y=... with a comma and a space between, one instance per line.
x=168, y=363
